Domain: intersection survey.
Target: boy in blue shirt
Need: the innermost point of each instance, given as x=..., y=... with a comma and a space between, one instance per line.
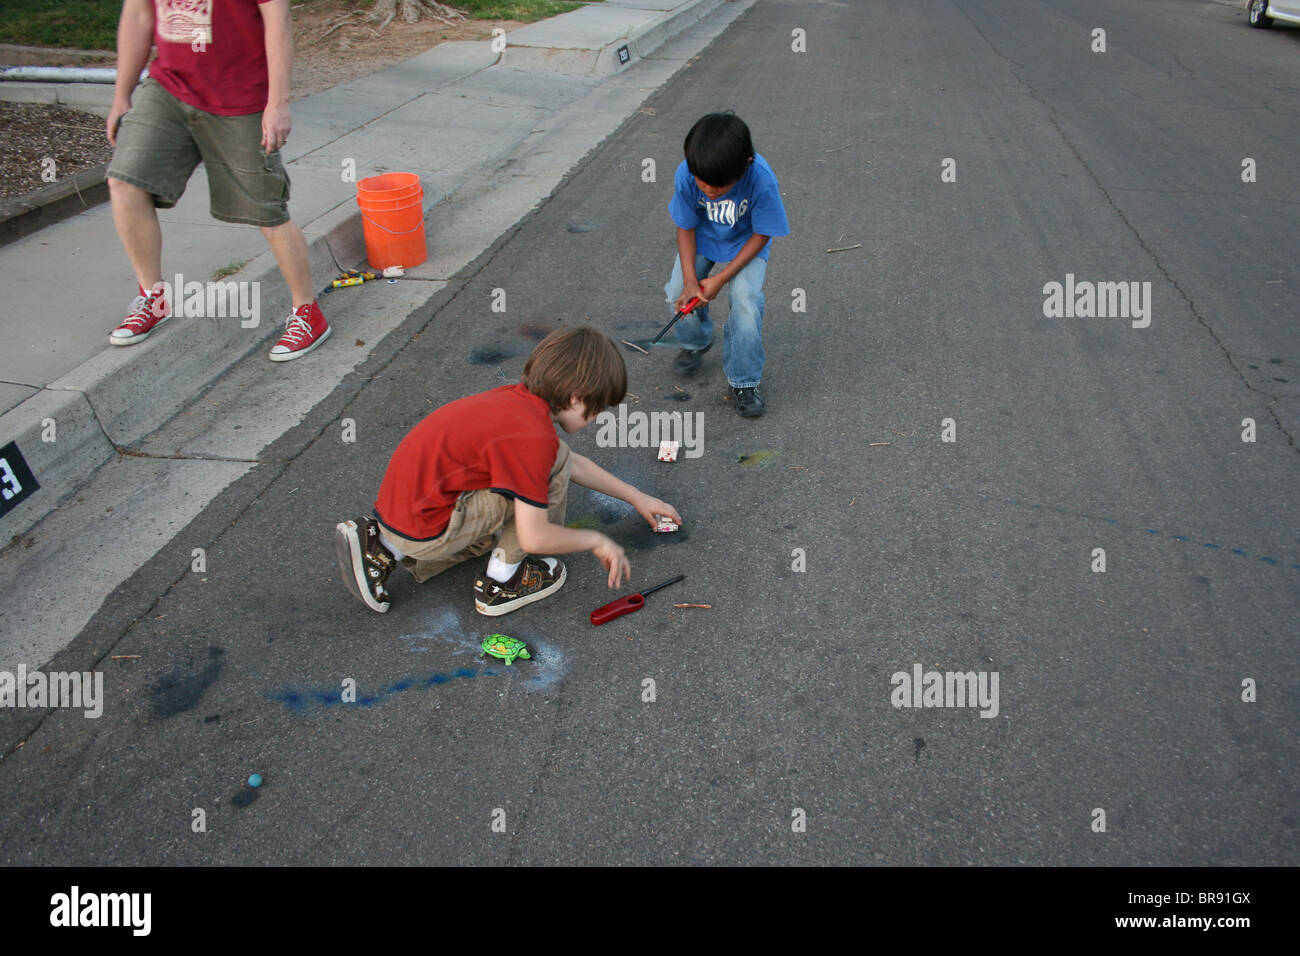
x=726, y=205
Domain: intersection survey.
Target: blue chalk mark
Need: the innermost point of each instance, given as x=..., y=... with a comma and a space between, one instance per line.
x=443, y=626
x=1100, y=518
x=1177, y=537
x=300, y=701
x=547, y=666
x=443, y=630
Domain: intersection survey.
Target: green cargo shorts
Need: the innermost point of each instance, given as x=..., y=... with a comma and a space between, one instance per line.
x=161, y=140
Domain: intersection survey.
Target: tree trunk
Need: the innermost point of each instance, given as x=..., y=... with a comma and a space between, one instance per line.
x=411, y=11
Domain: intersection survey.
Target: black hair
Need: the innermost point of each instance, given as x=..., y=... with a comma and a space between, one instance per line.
x=718, y=148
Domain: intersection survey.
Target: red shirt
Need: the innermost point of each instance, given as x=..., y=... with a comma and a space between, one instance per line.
x=503, y=440
x=212, y=54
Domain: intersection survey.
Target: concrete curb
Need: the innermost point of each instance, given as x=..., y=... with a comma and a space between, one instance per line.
x=121, y=395
x=54, y=203
x=92, y=97
x=639, y=43
x=62, y=465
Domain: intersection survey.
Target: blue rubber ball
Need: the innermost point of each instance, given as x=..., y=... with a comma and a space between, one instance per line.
x=255, y=780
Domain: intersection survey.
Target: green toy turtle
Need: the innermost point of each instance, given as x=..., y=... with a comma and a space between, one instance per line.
x=506, y=648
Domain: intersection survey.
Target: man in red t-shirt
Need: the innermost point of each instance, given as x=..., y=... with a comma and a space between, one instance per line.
x=488, y=473
x=217, y=93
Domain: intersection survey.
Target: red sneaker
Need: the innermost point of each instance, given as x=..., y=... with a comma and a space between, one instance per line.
x=148, y=311
x=303, y=331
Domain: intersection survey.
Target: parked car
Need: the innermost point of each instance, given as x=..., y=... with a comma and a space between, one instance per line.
x=1262, y=13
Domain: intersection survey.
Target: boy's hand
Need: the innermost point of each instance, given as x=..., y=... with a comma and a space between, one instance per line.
x=691, y=290
x=648, y=507
x=710, y=286
x=615, y=561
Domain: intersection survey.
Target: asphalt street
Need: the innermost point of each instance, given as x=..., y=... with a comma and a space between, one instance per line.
x=1118, y=691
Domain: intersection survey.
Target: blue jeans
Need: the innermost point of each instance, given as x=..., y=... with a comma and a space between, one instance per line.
x=742, y=339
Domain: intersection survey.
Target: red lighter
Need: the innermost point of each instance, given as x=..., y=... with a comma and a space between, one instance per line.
x=686, y=310
x=626, y=605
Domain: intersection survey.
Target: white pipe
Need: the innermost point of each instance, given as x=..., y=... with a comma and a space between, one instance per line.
x=61, y=74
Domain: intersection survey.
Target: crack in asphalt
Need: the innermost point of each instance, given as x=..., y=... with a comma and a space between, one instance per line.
x=563, y=706
x=1197, y=192
x=1186, y=69
x=158, y=456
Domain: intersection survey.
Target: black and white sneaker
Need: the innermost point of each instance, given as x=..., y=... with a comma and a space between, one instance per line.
x=364, y=561
x=534, y=579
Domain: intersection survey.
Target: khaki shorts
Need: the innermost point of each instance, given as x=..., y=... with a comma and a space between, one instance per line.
x=481, y=520
x=161, y=140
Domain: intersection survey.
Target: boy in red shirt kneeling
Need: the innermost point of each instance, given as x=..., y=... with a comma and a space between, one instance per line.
x=487, y=473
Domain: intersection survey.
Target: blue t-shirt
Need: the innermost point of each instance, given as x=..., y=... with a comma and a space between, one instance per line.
x=725, y=224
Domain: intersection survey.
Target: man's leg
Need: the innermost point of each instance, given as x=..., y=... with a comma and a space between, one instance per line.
x=138, y=228
x=289, y=246
x=249, y=186
x=306, y=326
x=152, y=161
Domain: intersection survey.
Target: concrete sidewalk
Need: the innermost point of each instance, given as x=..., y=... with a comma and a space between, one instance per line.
x=490, y=135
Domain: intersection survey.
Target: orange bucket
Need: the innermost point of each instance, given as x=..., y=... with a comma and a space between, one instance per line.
x=392, y=219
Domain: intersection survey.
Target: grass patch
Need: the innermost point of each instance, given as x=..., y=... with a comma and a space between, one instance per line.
x=230, y=268
x=758, y=457
x=74, y=24
x=525, y=11
x=92, y=24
